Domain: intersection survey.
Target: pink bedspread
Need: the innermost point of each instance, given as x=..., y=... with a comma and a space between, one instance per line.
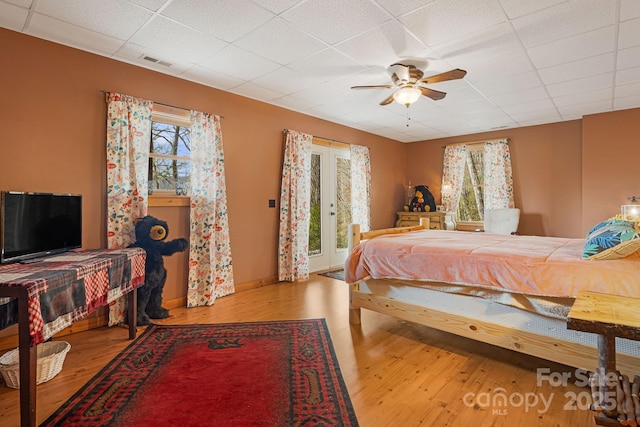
x=548, y=266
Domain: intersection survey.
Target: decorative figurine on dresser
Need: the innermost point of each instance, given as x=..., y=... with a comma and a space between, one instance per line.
x=422, y=205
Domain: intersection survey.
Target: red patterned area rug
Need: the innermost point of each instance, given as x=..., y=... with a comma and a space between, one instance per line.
x=280, y=373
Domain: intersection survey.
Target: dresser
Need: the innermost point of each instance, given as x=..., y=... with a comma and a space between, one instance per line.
x=436, y=219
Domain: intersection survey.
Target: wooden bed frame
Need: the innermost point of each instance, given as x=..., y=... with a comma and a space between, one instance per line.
x=543, y=344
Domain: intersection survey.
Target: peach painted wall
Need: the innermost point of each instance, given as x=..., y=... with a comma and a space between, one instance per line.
x=610, y=151
x=53, y=121
x=546, y=162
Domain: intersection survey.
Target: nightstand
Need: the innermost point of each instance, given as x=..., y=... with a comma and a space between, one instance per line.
x=436, y=219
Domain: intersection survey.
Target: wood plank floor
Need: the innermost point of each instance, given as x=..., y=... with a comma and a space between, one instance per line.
x=397, y=373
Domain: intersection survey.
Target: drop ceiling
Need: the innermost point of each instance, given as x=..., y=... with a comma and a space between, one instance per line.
x=528, y=62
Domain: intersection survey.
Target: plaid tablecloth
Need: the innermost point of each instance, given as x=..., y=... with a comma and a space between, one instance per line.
x=65, y=288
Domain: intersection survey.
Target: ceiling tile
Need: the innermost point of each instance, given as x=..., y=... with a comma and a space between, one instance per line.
x=383, y=45
x=237, y=62
x=596, y=95
x=509, y=84
x=629, y=34
x=22, y=3
x=276, y=6
x=12, y=17
x=223, y=19
x=171, y=39
x=150, y=4
x=254, y=91
x=527, y=95
x=577, y=69
x=280, y=41
x=629, y=9
x=496, y=40
x=516, y=8
x=627, y=102
x=628, y=58
x=540, y=115
x=481, y=69
x=327, y=64
x=586, y=84
x=628, y=75
x=115, y=18
x=400, y=7
x=580, y=110
x=528, y=107
x=72, y=35
x=287, y=81
x=627, y=90
x=292, y=103
x=585, y=45
x=208, y=77
x=442, y=21
x=322, y=94
x=333, y=21
x=566, y=19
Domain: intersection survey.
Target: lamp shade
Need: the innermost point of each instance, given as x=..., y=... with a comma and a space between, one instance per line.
x=630, y=212
x=407, y=95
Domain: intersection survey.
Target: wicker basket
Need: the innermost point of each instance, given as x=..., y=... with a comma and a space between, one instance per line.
x=50, y=359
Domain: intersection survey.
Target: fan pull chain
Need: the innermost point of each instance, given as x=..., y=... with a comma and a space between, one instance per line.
x=408, y=115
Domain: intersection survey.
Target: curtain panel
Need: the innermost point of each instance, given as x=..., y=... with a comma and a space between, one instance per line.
x=455, y=158
x=293, y=240
x=361, y=186
x=210, y=261
x=128, y=137
x=498, y=175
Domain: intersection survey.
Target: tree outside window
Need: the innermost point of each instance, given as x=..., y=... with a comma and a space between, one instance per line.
x=169, y=158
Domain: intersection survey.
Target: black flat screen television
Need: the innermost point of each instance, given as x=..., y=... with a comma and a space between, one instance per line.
x=35, y=225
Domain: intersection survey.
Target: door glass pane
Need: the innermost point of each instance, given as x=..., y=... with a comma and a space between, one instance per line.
x=471, y=206
x=343, y=202
x=315, y=221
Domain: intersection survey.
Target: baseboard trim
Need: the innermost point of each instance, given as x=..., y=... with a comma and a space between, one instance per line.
x=100, y=318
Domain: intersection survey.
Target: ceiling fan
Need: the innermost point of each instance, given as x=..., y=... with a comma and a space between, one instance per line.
x=410, y=83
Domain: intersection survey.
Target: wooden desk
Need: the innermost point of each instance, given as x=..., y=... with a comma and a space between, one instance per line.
x=406, y=219
x=608, y=316
x=49, y=295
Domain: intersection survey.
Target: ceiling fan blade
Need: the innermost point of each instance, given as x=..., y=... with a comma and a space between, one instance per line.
x=449, y=75
x=433, y=94
x=373, y=87
x=387, y=101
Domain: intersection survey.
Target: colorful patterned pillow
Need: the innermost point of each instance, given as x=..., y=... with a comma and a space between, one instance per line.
x=611, y=239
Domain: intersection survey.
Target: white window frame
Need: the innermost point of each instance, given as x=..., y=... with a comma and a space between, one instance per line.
x=173, y=116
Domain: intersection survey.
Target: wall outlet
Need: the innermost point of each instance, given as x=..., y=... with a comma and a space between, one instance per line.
x=272, y=203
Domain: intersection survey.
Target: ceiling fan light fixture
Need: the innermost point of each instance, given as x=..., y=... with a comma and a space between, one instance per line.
x=407, y=95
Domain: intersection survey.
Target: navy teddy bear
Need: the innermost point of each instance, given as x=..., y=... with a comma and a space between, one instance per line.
x=151, y=234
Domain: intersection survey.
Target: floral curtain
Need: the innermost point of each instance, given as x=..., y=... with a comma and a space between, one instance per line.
x=498, y=176
x=361, y=187
x=210, y=263
x=293, y=245
x=128, y=136
x=455, y=157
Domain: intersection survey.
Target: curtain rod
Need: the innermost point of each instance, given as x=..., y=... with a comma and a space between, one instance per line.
x=104, y=92
x=476, y=142
x=329, y=139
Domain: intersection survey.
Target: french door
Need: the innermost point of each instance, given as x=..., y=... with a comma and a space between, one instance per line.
x=330, y=207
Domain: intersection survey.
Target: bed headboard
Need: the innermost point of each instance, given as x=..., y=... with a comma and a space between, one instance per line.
x=355, y=236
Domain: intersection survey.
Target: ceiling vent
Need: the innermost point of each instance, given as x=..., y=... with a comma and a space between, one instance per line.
x=156, y=61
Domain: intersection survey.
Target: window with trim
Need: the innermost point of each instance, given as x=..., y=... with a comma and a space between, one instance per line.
x=170, y=152
x=471, y=203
